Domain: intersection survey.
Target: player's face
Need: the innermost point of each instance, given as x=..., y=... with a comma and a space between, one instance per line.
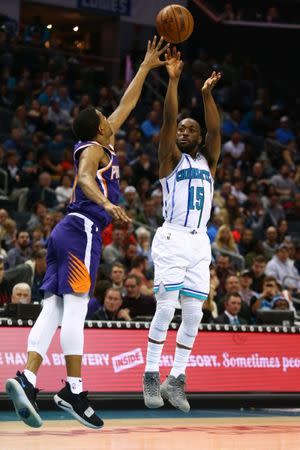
x=104, y=127
x=188, y=135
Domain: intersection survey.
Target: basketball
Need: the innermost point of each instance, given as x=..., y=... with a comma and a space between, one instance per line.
x=175, y=23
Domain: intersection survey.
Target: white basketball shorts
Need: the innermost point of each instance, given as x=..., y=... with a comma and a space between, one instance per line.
x=181, y=259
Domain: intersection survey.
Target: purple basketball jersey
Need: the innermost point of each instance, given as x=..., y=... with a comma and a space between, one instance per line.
x=107, y=178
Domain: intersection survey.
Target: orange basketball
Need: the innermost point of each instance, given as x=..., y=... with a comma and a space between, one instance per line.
x=175, y=23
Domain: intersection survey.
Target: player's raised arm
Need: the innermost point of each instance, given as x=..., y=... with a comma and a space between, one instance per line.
x=212, y=121
x=133, y=92
x=168, y=152
x=89, y=162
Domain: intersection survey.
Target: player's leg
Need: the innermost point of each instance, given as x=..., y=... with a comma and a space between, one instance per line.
x=173, y=387
x=169, y=270
x=165, y=308
x=21, y=389
x=79, y=258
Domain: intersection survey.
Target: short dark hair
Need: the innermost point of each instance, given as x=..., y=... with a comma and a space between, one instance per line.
x=232, y=294
x=259, y=259
x=86, y=125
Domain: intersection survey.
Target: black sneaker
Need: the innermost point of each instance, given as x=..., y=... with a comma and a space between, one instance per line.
x=78, y=406
x=23, y=395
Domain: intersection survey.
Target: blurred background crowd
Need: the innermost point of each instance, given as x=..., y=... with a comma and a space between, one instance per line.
x=254, y=227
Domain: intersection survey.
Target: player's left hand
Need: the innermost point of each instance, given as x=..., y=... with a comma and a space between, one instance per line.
x=211, y=82
x=154, y=51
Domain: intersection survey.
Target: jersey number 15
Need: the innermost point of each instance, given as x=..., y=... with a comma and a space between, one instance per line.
x=196, y=198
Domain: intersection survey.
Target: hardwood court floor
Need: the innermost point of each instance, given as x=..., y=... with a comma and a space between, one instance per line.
x=225, y=431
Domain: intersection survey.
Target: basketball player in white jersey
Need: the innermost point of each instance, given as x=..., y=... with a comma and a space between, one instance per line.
x=181, y=248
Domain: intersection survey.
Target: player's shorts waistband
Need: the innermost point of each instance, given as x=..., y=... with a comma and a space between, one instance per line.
x=189, y=230
x=86, y=219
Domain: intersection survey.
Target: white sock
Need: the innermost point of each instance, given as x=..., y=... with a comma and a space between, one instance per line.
x=180, y=361
x=31, y=377
x=75, y=384
x=153, y=357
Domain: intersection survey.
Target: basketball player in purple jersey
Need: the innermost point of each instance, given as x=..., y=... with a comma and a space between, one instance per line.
x=74, y=252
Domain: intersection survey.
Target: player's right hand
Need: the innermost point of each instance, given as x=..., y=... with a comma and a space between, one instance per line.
x=174, y=63
x=116, y=212
x=154, y=51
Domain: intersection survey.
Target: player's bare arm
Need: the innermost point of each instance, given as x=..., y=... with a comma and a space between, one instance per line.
x=212, y=121
x=132, y=94
x=89, y=162
x=168, y=153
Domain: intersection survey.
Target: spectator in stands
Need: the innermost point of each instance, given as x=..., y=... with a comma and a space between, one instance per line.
x=281, y=267
x=270, y=244
x=5, y=287
x=149, y=216
x=269, y=292
x=134, y=303
x=96, y=301
x=284, y=184
x=151, y=125
x=245, y=290
x=117, y=276
x=258, y=272
x=282, y=230
x=21, y=293
x=64, y=190
x=139, y=267
x=235, y=146
x=111, y=305
x=232, y=284
x=231, y=314
x=284, y=134
x=8, y=233
x=143, y=237
x=35, y=269
x=43, y=192
x=114, y=252
x=21, y=251
x=131, y=251
x=131, y=198
x=274, y=211
x=224, y=242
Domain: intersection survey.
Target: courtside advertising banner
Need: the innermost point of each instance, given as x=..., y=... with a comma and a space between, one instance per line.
x=114, y=361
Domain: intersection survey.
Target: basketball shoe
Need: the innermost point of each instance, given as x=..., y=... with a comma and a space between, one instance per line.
x=172, y=389
x=78, y=406
x=23, y=395
x=151, y=390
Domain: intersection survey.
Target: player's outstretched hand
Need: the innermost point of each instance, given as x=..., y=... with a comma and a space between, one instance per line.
x=174, y=63
x=211, y=82
x=116, y=212
x=154, y=51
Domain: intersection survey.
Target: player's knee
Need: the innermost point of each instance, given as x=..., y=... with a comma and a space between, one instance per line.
x=164, y=314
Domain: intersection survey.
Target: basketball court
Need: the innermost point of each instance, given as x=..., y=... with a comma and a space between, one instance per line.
x=159, y=430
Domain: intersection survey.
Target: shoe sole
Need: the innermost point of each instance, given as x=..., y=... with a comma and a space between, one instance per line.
x=65, y=406
x=24, y=409
x=164, y=394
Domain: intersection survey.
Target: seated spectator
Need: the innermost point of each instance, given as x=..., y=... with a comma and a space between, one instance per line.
x=224, y=242
x=111, y=305
x=149, y=215
x=284, y=184
x=232, y=284
x=144, y=242
x=117, y=276
x=21, y=293
x=274, y=211
x=284, y=134
x=269, y=293
x=249, y=246
x=139, y=267
x=43, y=191
x=245, y=291
x=131, y=251
x=114, y=252
x=21, y=251
x=97, y=299
x=257, y=273
x=270, y=244
x=282, y=230
x=151, y=125
x=281, y=267
x=231, y=314
x=210, y=309
x=8, y=233
x=134, y=303
x=64, y=190
x=235, y=146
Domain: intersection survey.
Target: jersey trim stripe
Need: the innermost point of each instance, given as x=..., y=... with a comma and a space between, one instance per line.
x=176, y=168
x=189, y=194
x=101, y=179
x=200, y=217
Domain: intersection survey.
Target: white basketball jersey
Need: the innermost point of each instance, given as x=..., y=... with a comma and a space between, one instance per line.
x=188, y=193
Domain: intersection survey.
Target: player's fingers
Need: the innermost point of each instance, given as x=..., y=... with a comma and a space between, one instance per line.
x=178, y=55
x=154, y=41
x=174, y=51
x=164, y=49
x=149, y=45
x=160, y=43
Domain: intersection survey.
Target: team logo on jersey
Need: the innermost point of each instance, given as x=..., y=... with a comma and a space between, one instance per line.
x=115, y=173
x=192, y=174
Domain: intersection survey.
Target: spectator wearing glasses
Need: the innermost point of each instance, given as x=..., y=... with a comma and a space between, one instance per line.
x=111, y=305
x=134, y=303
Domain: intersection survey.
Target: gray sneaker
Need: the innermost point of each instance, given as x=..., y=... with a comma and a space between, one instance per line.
x=172, y=389
x=151, y=390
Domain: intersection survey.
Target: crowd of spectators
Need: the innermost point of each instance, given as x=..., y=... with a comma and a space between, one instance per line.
x=254, y=227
